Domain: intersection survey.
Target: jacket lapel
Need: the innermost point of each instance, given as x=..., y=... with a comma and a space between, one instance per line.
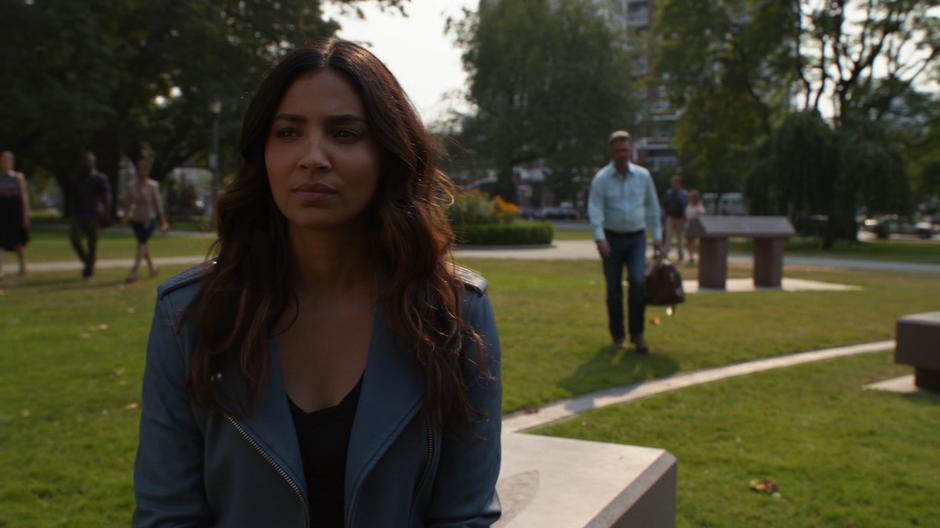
x=269, y=422
x=392, y=393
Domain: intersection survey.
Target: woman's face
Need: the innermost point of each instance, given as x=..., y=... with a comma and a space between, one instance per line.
x=143, y=169
x=322, y=161
x=6, y=161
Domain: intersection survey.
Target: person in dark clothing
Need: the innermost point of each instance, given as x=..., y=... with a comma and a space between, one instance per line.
x=14, y=211
x=674, y=208
x=90, y=197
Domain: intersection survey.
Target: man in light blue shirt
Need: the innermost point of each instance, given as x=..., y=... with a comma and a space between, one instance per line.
x=622, y=207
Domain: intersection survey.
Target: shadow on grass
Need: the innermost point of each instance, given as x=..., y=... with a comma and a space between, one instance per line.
x=612, y=367
x=924, y=397
x=58, y=284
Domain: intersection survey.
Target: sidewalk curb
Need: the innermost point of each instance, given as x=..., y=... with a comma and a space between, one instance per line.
x=521, y=421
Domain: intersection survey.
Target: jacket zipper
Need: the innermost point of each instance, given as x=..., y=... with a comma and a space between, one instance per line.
x=427, y=466
x=277, y=468
x=425, y=474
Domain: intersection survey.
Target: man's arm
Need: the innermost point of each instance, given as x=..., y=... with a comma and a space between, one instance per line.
x=596, y=216
x=106, y=186
x=651, y=203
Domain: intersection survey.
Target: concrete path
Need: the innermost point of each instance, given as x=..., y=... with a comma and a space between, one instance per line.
x=523, y=421
x=559, y=250
x=585, y=250
x=107, y=264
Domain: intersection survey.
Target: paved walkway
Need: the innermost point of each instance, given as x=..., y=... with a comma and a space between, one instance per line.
x=523, y=421
x=585, y=250
x=107, y=264
x=559, y=250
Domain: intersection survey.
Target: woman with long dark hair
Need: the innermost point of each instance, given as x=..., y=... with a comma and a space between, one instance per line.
x=14, y=211
x=332, y=366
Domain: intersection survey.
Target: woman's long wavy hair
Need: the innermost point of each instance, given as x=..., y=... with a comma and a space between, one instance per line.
x=249, y=287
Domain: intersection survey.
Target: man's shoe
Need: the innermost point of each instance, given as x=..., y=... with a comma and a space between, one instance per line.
x=641, y=346
x=620, y=343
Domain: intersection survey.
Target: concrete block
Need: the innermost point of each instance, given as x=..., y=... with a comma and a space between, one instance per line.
x=918, y=345
x=548, y=482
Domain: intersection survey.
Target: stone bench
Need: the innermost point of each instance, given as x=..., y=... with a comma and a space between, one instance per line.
x=548, y=482
x=768, y=233
x=918, y=344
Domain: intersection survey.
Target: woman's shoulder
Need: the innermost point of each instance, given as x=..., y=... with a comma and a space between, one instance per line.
x=180, y=289
x=473, y=282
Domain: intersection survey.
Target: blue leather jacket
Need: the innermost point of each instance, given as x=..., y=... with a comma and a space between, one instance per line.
x=198, y=468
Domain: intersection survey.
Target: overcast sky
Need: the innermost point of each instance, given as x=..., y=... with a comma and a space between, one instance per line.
x=415, y=48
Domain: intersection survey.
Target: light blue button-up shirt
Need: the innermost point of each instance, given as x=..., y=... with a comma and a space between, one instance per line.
x=624, y=202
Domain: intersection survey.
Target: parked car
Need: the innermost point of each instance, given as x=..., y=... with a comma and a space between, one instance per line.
x=559, y=213
x=530, y=213
x=728, y=204
x=923, y=229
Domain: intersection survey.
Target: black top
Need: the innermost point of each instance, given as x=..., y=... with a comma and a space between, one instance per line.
x=324, y=438
x=87, y=191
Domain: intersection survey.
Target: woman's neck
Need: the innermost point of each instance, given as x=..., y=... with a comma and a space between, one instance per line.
x=331, y=262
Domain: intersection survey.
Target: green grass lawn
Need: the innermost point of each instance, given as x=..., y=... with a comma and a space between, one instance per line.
x=552, y=317
x=67, y=442
x=53, y=246
x=841, y=456
x=882, y=250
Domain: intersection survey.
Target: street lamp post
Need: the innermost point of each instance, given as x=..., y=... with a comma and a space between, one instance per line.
x=215, y=107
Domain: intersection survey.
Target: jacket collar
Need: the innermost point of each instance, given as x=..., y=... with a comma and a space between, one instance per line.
x=392, y=393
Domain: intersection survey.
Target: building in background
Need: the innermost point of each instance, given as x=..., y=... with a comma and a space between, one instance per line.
x=653, y=140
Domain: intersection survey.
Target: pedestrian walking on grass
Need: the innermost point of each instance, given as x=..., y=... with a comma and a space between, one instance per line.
x=333, y=367
x=623, y=209
x=144, y=209
x=694, y=210
x=90, y=198
x=14, y=211
x=674, y=203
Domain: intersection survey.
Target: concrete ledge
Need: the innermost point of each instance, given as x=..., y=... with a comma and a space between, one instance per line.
x=548, y=482
x=918, y=345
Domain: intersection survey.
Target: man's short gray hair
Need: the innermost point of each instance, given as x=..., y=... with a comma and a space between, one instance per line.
x=618, y=135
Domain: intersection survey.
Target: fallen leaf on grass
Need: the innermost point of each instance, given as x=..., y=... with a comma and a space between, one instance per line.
x=84, y=336
x=131, y=310
x=669, y=311
x=119, y=371
x=131, y=406
x=765, y=486
x=655, y=321
x=25, y=413
x=98, y=327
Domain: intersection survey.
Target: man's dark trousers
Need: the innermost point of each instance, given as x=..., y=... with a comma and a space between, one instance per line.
x=85, y=229
x=626, y=250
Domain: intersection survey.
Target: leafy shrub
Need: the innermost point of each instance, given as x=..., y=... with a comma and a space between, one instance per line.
x=505, y=211
x=472, y=207
x=512, y=233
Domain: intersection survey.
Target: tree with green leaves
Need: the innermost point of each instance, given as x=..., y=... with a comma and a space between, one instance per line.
x=748, y=73
x=724, y=65
x=128, y=78
x=548, y=81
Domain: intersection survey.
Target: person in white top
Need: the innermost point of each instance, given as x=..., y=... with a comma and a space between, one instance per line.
x=693, y=210
x=144, y=208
